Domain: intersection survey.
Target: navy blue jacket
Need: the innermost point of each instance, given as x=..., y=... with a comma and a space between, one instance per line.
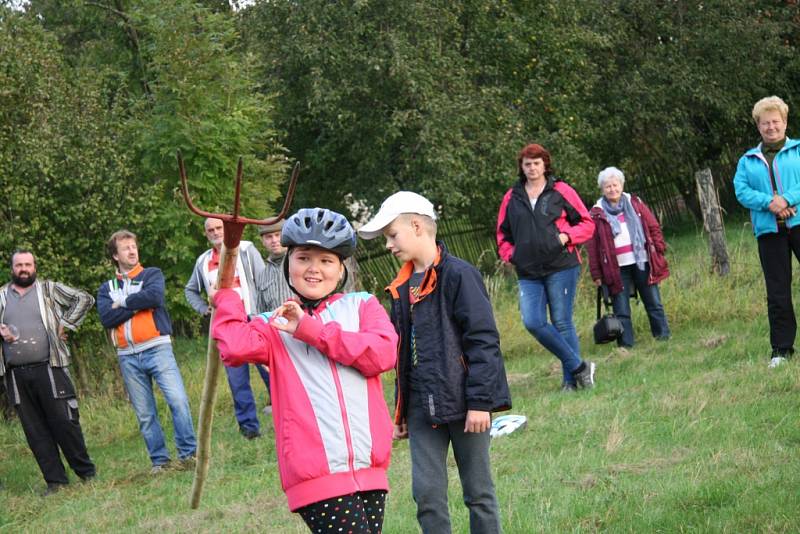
x=140, y=321
x=458, y=346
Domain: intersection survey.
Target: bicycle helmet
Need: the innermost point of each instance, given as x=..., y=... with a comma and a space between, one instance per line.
x=321, y=228
x=506, y=424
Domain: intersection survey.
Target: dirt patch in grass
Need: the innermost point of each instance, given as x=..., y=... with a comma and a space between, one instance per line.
x=650, y=464
x=714, y=340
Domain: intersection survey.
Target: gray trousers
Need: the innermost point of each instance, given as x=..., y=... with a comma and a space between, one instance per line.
x=429, y=446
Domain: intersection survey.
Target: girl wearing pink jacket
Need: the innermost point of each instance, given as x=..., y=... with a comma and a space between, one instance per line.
x=325, y=351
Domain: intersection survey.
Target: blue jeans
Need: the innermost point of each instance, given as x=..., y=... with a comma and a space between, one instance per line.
x=244, y=404
x=557, y=292
x=633, y=277
x=138, y=371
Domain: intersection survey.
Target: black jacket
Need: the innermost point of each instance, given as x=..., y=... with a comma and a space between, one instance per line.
x=458, y=346
x=528, y=238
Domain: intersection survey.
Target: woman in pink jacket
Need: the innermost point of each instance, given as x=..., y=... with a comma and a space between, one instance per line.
x=626, y=254
x=540, y=223
x=326, y=352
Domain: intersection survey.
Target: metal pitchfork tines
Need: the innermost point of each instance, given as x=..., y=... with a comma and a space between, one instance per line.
x=234, y=221
x=234, y=227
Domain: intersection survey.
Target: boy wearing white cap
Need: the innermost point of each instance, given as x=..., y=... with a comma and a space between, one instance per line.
x=450, y=372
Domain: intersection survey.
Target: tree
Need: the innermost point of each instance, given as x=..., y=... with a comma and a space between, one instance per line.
x=116, y=88
x=679, y=80
x=378, y=96
x=64, y=174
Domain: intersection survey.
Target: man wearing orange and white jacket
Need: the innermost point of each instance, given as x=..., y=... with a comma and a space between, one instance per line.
x=131, y=308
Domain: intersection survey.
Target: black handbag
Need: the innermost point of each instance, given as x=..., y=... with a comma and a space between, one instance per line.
x=608, y=328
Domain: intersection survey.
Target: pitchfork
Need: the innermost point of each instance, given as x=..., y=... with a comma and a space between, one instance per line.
x=234, y=227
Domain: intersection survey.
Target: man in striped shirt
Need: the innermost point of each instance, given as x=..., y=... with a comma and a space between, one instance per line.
x=273, y=290
x=34, y=357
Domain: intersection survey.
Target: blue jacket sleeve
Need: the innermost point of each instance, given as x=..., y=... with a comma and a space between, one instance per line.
x=151, y=295
x=110, y=317
x=746, y=194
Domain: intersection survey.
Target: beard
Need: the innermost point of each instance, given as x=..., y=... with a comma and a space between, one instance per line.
x=23, y=282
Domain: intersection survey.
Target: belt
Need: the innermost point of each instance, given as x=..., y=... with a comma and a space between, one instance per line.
x=28, y=365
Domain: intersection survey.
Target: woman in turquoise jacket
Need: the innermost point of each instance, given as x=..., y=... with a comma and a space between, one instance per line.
x=767, y=182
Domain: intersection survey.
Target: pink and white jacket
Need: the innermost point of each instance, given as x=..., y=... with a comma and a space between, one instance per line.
x=333, y=431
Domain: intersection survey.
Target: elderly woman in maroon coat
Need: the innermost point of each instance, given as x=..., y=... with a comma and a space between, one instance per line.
x=627, y=253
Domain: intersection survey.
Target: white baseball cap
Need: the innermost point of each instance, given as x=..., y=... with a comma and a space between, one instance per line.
x=397, y=204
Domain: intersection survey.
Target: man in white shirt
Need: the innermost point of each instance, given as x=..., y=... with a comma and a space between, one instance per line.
x=249, y=269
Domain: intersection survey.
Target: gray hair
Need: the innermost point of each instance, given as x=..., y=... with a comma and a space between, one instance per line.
x=610, y=172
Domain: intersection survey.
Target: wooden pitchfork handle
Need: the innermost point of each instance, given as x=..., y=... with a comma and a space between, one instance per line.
x=234, y=227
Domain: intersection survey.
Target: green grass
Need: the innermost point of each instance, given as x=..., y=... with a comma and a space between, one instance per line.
x=690, y=435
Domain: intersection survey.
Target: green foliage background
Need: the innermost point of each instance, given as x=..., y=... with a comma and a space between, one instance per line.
x=96, y=99
x=370, y=95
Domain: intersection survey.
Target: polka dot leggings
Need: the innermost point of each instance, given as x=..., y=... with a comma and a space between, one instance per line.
x=357, y=513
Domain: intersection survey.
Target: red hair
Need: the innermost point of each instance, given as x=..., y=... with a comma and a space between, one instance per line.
x=534, y=151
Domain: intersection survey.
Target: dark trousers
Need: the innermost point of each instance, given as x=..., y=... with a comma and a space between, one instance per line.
x=634, y=278
x=244, y=403
x=429, y=445
x=50, y=423
x=775, y=251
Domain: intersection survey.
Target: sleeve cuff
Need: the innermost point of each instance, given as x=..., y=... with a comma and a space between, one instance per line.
x=479, y=406
x=309, y=331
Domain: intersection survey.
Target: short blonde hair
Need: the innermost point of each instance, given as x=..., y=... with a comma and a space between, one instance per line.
x=428, y=223
x=770, y=103
x=608, y=173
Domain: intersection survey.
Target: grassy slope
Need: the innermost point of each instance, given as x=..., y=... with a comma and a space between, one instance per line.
x=695, y=434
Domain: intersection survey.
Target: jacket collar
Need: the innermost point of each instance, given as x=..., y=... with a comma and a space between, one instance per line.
x=756, y=150
x=133, y=273
x=7, y=286
x=428, y=280
x=519, y=187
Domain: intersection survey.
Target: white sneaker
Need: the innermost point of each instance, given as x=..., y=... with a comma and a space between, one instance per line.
x=585, y=378
x=776, y=361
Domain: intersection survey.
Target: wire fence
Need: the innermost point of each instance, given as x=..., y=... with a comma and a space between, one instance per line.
x=472, y=242
x=663, y=197
x=475, y=243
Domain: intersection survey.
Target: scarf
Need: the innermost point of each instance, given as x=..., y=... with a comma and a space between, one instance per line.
x=634, y=226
